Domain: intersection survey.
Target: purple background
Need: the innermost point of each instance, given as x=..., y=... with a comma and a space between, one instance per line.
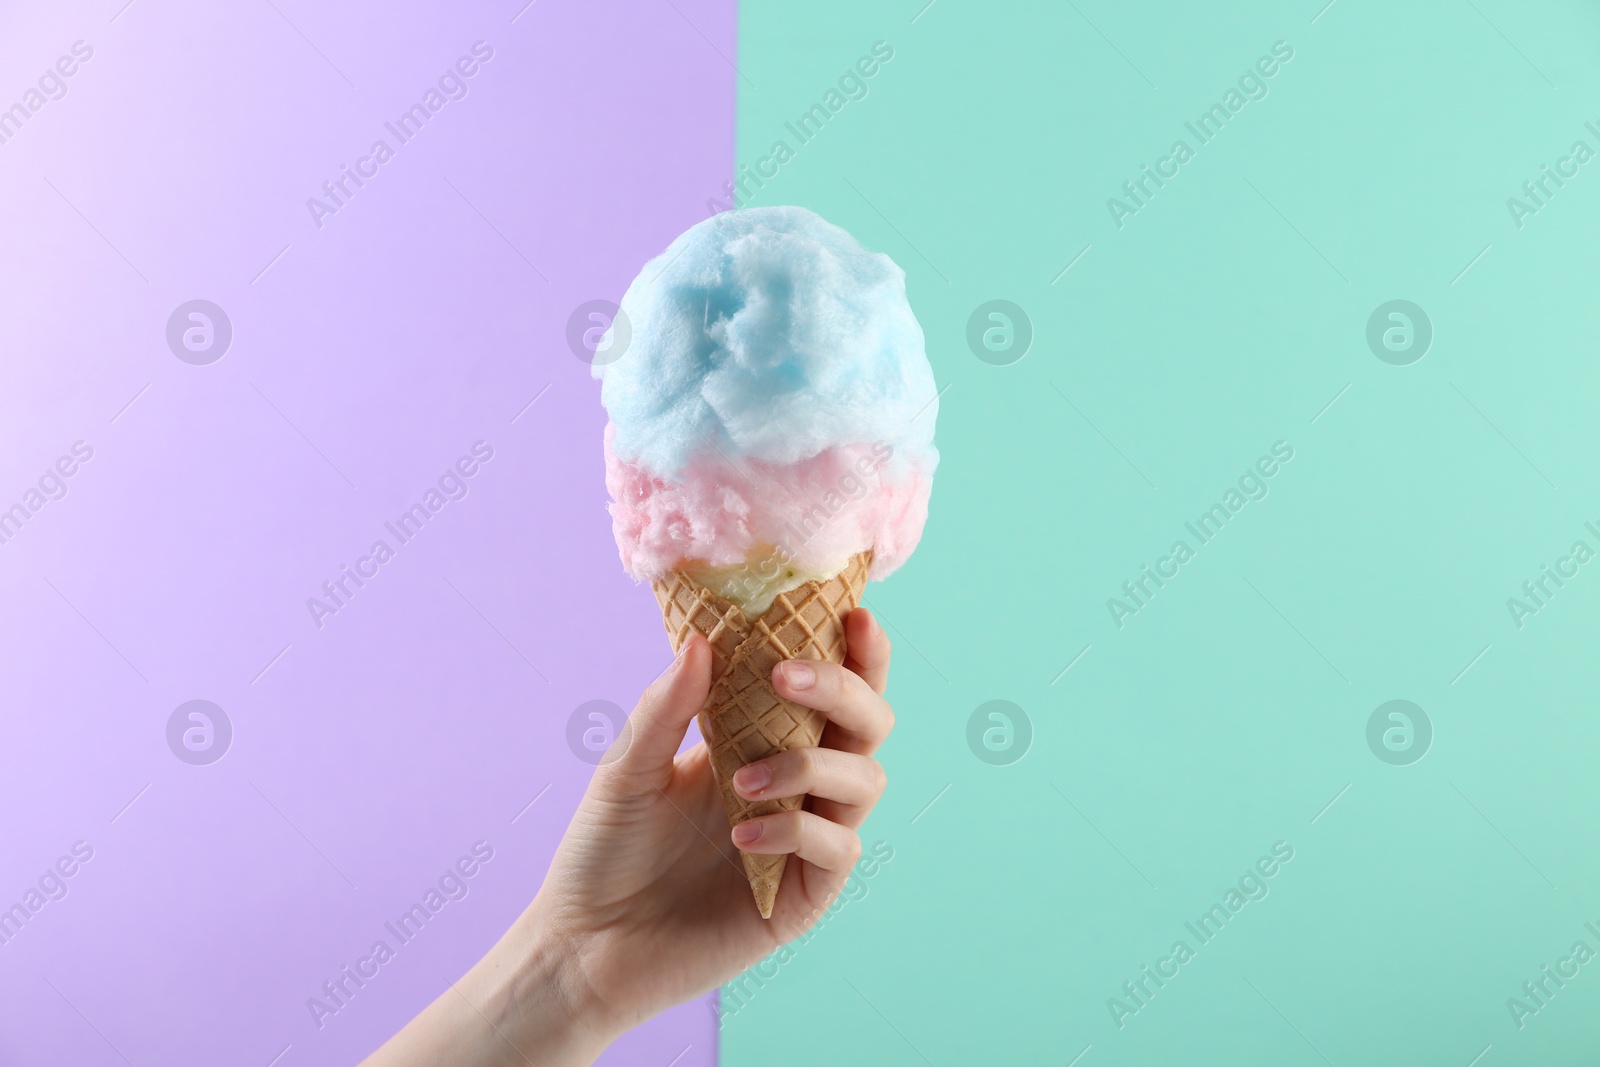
x=366, y=358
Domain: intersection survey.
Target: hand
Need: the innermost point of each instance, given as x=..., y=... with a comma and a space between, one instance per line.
x=647, y=888
x=646, y=903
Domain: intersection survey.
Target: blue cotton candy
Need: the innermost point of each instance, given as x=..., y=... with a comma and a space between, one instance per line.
x=768, y=334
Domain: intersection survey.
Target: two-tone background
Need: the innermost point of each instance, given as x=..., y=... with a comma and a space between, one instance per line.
x=1128, y=337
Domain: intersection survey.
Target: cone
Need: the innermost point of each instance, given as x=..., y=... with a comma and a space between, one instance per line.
x=744, y=720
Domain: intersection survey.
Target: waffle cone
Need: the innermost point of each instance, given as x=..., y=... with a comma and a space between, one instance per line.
x=744, y=720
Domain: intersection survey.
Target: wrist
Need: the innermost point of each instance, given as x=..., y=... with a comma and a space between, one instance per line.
x=532, y=988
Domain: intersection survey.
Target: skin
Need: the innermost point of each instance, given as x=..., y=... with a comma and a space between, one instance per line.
x=646, y=904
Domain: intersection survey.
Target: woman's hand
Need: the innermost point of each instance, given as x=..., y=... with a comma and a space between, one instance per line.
x=646, y=903
x=647, y=888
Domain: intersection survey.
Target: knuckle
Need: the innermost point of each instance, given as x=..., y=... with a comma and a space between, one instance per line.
x=790, y=824
x=830, y=681
x=804, y=762
x=794, y=767
x=852, y=849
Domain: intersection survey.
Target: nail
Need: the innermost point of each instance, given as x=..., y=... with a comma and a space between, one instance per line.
x=799, y=675
x=753, y=779
x=747, y=833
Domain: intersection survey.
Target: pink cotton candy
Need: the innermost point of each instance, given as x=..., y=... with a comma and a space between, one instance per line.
x=818, y=512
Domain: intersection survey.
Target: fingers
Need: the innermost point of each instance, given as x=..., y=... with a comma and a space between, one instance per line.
x=868, y=649
x=851, y=781
x=826, y=845
x=646, y=746
x=861, y=714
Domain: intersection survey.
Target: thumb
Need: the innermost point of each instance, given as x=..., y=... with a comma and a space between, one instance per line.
x=656, y=728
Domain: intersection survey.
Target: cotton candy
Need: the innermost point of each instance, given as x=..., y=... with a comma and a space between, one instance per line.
x=773, y=401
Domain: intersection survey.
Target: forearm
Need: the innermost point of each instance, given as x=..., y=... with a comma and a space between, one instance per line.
x=523, y=1003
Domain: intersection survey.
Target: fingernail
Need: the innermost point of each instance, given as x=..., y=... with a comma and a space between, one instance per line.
x=747, y=833
x=753, y=779
x=799, y=675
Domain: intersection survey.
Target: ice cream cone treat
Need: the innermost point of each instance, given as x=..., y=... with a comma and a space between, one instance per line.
x=770, y=448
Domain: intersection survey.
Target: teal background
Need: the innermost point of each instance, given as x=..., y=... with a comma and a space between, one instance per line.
x=1229, y=712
